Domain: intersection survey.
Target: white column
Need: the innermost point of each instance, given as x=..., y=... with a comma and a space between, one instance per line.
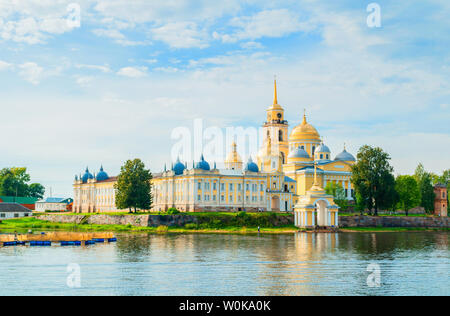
x=329, y=218
x=336, y=219
x=313, y=218
x=349, y=190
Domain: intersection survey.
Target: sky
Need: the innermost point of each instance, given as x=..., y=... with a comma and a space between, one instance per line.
x=111, y=81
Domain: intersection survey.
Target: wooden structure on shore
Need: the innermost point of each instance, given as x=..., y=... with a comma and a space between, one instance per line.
x=64, y=238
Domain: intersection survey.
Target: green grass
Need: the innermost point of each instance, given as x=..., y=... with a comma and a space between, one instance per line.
x=23, y=224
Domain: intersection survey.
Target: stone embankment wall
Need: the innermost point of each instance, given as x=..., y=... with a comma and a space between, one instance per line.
x=393, y=221
x=181, y=220
x=134, y=220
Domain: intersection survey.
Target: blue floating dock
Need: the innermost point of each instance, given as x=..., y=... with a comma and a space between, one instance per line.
x=99, y=240
x=9, y=243
x=40, y=243
x=112, y=239
x=89, y=242
x=70, y=243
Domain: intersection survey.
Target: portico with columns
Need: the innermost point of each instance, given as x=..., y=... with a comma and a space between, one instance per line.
x=316, y=208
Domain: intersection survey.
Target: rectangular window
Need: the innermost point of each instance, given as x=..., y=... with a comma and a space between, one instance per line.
x=231, y=186
x=199, y=185
x=2, y=215
x=222, y=186
x=199, y=198
x=214, y=186
x=222, y=198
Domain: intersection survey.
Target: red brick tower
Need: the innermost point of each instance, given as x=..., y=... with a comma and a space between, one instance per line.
x=440, y=201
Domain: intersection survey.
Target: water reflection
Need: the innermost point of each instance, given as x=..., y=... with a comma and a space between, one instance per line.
x=298, y=264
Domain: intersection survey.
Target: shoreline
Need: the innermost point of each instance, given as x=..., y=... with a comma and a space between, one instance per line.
x=24, y=224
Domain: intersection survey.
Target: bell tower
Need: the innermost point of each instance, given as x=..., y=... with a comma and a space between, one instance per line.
x=275, y=132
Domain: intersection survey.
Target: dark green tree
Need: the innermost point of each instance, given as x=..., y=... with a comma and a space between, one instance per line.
x=14, y=182
x=134, y=187
x=427, y=195
x=36, y=190
x=373, y=179
x=408, y=192
x=336, y=190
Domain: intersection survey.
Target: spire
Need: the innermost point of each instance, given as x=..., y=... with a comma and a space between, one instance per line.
x=275, y=94
x=304, y=117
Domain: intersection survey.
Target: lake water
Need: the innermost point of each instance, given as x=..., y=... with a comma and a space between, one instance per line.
x=297, y=264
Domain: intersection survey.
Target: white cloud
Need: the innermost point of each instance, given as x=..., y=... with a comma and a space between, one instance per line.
x=252, y=45
x=101, y=68
x=267, y=23
x=4, y=65
x=31, y=72
x=31, y=21
x=133, y=72
x=84, y=81
x=117, y=36
x=181, y=35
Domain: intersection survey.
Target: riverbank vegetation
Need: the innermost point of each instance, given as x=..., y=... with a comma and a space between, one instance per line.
x=206, y=224
x=376, y=188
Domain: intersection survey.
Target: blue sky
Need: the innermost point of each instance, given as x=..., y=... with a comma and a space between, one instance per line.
x=116, y=87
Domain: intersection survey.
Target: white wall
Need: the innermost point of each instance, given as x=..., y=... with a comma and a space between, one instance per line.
x=7, y=215
x=43, y=206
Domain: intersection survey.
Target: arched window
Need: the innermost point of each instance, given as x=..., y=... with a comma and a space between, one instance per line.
x=280, y=136
x=282, y=158
x=313, y=149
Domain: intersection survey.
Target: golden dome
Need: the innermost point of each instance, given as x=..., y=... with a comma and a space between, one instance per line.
x=304, y=131
x=233, y=156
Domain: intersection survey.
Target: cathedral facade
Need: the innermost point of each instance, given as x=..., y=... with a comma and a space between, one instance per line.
x=288, y=169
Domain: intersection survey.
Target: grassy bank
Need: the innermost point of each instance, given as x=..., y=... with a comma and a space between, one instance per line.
x=35, y=224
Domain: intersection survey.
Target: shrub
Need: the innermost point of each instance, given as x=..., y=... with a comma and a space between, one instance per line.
x=173, y=211
x=162, y=229
x=190, y=226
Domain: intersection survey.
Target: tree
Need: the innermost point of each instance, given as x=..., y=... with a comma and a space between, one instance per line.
x=373, y=179
x=408, y=192
x=14, y=182
x=36, y=190
x=427, y=195
x=133, y=186
x=338, y=192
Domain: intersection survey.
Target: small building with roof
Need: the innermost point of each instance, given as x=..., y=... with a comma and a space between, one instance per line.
x=13, y=210
x=28, y=202
x=53, y=204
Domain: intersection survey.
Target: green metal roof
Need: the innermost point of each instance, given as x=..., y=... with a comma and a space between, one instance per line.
x=19, y=199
